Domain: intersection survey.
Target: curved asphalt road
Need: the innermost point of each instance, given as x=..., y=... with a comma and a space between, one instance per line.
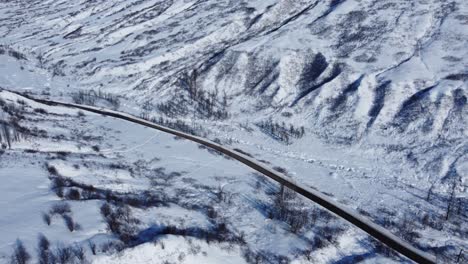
x=349, y=215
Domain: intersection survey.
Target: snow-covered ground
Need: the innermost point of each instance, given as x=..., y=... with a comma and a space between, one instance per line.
x=217, y=208
x=379, y=87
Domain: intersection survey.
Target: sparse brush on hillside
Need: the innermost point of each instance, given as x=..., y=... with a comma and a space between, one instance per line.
x=92, y=97
x=120, y=221
x=178, y=124
x=8, y=134
x=20, y=255
x=281, y=132
x=8, y=50
x=207, y=104
x=10, y=129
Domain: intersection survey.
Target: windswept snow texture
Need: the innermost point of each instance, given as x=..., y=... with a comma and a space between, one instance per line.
x=365, y=100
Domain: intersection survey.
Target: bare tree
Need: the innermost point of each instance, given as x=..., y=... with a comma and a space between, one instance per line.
x=451, y=200
x=20, y=255
x=44, y=254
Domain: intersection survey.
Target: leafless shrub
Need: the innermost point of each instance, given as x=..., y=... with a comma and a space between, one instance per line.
x=64, y=254
x=20, y=255
x=52, y=170
x=43, y=243
x=120, y=222
x=70, y=223
x=178, y=124
x=60, y=208
x=73, y=194
x=181, y=256
x=281, y=132
x=256, y=257
x=106, y=210
x=79, y=253
x=432, y=221
x=10, y=132
x=43, y=250
x=59, y=192
x=92, y=247
x=91, y=97
x=287, y=208
x=112, y=246
x=40, y=111
x=46, y=218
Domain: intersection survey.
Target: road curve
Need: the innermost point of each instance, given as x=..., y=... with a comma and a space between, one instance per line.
x=349, y=215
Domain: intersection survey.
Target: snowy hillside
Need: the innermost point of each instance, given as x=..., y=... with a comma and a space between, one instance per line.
x=364, y=100
x=356, y=66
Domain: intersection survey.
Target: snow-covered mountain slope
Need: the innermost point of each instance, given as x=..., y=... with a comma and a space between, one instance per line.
x=355, y=66
x=351, y=71
x=375, y=90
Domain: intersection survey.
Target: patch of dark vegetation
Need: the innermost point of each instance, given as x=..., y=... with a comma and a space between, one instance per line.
x=9, y=133
x=73, y=194
x=62, y=185
x=20, y=254
x=62, y=209
x=74, y=34
x=378, y=102
x=91, y=97
x=409, y=225
x=457, y=77
x=218, y=233
x=213, y=151
x=290, y=208
x=45, y=256
x=243, y=152
x=285, y=208
x=63, y=254
x=316, y=68
x=412, y=108
x=46, y=218
x=178, y=124
x=40, y=111
x=4, y=49
x=349, y=90
x=70, y=223
x=281, y=132
x=160, y=178
x=10, y=129
x=191, y=100
x=281, y=170
x=92, y=247
x=312, y=78
x=207, y=104
x=120, y=222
